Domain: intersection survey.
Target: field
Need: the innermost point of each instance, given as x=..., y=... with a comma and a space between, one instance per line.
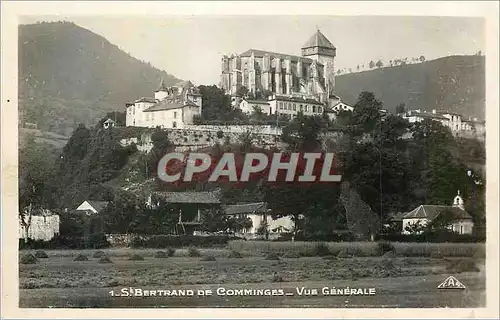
x=399, y=281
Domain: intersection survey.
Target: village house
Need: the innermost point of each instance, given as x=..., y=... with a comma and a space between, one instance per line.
x=424, y=214
x=248, y=106
x=260, y=215
x=455, y=122
x=91, y=207
x=171, y=108
x=190, y=205
x=41, y=224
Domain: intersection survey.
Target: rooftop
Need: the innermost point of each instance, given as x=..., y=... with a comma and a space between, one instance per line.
x=318, y=40
x=296, y=99
x=170, y=104
x=261, y=53
x=257, y=101
x=258, y=207
x=432, y=211
x=206, y=197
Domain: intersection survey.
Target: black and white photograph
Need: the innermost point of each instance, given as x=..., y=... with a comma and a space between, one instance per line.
x=252, y=161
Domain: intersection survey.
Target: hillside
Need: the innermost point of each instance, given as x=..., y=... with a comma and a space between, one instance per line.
x=69, y=75
x=455, y=83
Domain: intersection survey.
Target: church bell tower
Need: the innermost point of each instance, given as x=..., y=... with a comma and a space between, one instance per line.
x=320, y=49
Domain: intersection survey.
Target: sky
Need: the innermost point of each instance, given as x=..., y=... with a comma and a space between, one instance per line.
x=191, y=47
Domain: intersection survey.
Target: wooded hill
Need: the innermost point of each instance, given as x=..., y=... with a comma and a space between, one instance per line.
x=70, y=75
x=455, y=83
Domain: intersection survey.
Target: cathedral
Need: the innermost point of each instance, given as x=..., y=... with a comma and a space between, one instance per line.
x=311, y=74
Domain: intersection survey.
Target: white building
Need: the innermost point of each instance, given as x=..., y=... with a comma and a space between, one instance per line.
x=423, y=214
x=260, y=214
x=172, y=107
x=291, y=105
x=454, y=121
x=248, y=106
x=42, y=225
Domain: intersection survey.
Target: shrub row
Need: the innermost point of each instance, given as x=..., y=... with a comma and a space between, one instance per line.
x=165, y=241
x=94, y=241
x=361, y=249
x=435, y=237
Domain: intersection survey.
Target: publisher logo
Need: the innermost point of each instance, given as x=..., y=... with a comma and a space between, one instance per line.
x=451, y=283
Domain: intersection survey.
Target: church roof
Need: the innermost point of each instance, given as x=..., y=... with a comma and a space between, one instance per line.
x=258, y=207
x=261, y=53
x=432, y=211
x=318, y=40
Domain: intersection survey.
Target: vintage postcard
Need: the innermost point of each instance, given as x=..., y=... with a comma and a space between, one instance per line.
x=331, y=157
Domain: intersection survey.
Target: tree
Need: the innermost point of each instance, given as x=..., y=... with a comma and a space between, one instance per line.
x=161, y=145
x=371, y=64
x=303, y=132
x=421, y=58
x=263, y=229
x=216, y=105
x=400, y=109
x=242, y=91
x=379, y=64
x=257, y=114
x=37, y=186
x=361, y=220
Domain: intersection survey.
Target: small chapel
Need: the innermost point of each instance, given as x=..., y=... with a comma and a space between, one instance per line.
x=462, y=221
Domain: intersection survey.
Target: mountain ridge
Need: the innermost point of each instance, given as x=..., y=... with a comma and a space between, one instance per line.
x=453, y=83
x=70, y=72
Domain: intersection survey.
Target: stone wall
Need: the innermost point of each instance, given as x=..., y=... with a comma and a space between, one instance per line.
x=207, y=136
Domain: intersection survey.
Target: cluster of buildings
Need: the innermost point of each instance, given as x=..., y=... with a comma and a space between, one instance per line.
x=286, y=84
x=457, y=124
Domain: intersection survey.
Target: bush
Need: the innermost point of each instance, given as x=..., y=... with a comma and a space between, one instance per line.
x=170, y=252
x=220, y=134
x=292, y=255
x=208, y=258
x=435, y=237
x=105, y=259
x=234, y=254
x=160, y=254
x=28, y=259
x=99, y=254
x=437, y=254
x=330, y=258
x=462, y=265
x=305, y=249
x=384, y=246
x=193, y=252
x=81, y=257
x=165, y=241
x=344, y=254
x=94, y=241
x=389, y=254
x=322, y=250
x=136, y=257
x=272, y=256
x=41, y=254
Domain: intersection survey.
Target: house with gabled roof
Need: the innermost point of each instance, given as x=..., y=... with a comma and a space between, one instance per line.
x=172, y=107
x=423, y=214
x=190, y=204
x=92, y=207
x=260, y=214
